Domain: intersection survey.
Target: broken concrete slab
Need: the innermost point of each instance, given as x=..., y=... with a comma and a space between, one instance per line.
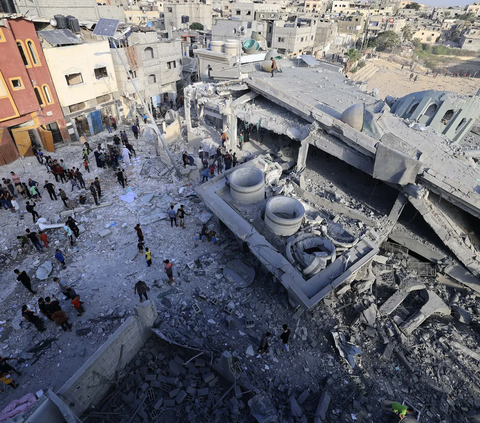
x=204, y=217
x=417, y=247
x=295, y=409
x=239, y=273
x=43, y=272
x=462, y=275
x=465, y=350
x=462, y=315
x=433, y=305
x=322, y=407
x=152, y=218
x=262, y=409
x=346, y=350
x=407, y=286
x=104, y=233
x=369, y=316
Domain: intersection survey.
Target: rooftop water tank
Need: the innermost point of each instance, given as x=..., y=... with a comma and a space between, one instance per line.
x=62, y=21
x=217, y=46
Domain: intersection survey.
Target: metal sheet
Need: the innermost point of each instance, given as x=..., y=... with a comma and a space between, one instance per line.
x=309, y=60
x=106, y=27
x=60, y=37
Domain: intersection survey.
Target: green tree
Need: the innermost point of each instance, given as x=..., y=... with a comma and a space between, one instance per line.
x=407, y=33
x=197, y=26
x=385, y=40
x=416, y=43
x=414, y=6
x=353, y=56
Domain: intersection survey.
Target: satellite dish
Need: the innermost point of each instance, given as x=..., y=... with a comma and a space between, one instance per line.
x=53, y=22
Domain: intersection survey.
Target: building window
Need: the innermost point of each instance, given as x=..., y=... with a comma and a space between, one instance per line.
x=148, y=53
x=171, y=65
x=152, y=79
x=104, y=98
x=40, y=100
x=17, y=84
x=311, y=37
x=470, y=41
x=249, y=13
x=74, y=79
x=46, y=93
x=238, y=12
x=23, y=53
x=101, y=73
x=281, y=39
x=301, y=40
x=169, y=9
x=33, y=53
x=133, y=74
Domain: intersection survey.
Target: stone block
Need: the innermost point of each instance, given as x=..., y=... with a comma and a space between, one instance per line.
x=180, y=397
x=213, y=382
x=104, y=233
x=295, y=409
x=199, y=362
x=176, y=369
x=208, y=377
x=203, y=392
x=303, y=397
x=174, y=393
x=158, y=404
x=191, y=390
x=143, y=387
x=169, y=403
x=155, y=384
x=150, y=377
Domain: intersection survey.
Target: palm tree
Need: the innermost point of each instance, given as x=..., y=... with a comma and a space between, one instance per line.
x=407, y=33
x=354, y=56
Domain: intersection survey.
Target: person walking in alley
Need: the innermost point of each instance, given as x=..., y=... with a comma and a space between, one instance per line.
x=141, y=288
x=148, y=257
x=94, y=193
x=138, y=229
x=181, y=214
x=32, y=317
x=31, y=209
x=32, y=236
x=24, y=279
x=173, y=216
x=285, y=336
x=120, y=178
x=264, y=347
x=51, y=190
x=168, y=270
x=60, y=258
x=98, y=187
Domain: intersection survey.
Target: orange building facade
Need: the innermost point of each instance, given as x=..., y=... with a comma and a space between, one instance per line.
x=30, y=113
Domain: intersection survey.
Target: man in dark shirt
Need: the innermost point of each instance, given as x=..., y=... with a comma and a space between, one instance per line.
x=285, y=336
x=72, y=224
x=35, y=241
x=52, y=306
x=31, y=209
x=51, y=190
x=264, y=343
x=31, y=317
x=23, y=278
x=139, y=232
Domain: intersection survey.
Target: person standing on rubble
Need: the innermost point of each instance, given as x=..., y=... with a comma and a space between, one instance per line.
x=64, y=197
x=61, y=319
x=69, y=234
x=60, y=258
x=168, y=270
x=264, y=343
x=173, y=216
x=50, y=189
x=32, y=317
x=284, y=337
x=32, y=236
x=141, y=288
x=98, y=187
x=181, y=214
x=72, y=224
x=24, y=279
x=94, y=193
x=274, y=67
x=138, y=229
x=148, y=257
x=31, y=209
x=234, y=159
x=223, y=139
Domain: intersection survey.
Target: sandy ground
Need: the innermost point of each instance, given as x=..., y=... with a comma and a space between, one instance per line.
x=390, y=79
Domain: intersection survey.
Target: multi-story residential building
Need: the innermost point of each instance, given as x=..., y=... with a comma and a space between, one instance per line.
x=349, y=30
x=379, y=23
x=327, y=31
x=474, y=8
x=470, y=39
x=427, y=33
x=141, y=17
x=441, y=13
x=295, y=36
x=84, y=77
x=29, y=108
x=348, y=7
x=173, y=17
x=316, y=6
x=85, y=10
x=256, y=11
x=154, y=65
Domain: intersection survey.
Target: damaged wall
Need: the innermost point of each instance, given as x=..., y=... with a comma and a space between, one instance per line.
x=85, y=388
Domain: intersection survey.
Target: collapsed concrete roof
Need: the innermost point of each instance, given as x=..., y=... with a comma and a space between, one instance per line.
x=423, y=164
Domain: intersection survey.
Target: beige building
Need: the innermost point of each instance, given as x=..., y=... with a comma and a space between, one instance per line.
x=154, y=65
x=474, y=8
x=196, y=12
x=141, y=17
x=84, y=78
x=427, y=34
x=470, y=39
x=293, y=38
x=315, y=6
x=380, y=23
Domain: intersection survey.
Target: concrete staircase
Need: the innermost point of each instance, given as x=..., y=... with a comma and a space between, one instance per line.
x=365, y=73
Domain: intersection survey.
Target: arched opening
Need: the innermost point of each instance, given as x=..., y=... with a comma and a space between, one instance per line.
x=23, y=54
x=431, y=110
x=46, y=92
x=40, y=100
x=148, y=53
x=33, y=52
x=152, y=79
x=447, y=116
x=413, y=108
